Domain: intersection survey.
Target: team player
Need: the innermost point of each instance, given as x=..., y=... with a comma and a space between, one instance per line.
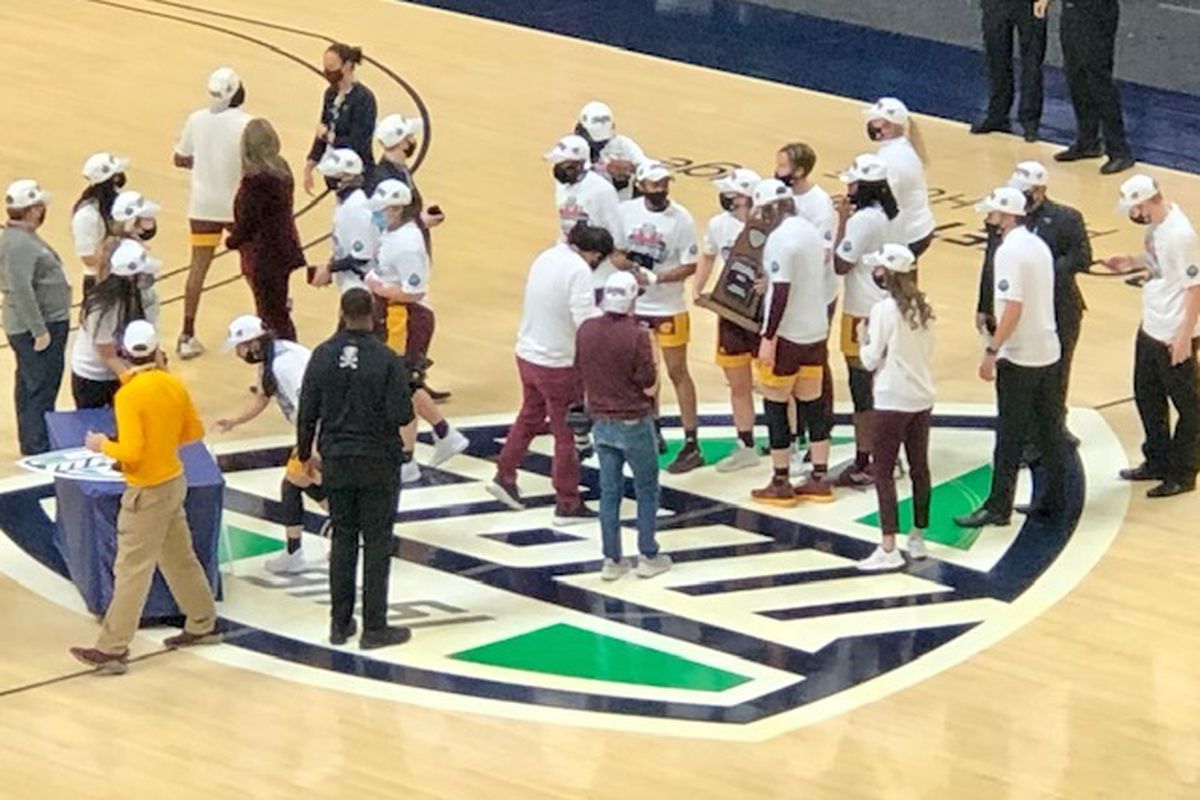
x=355, y=237
x=736, y=346
x=899, y=143
x=134, y=217
x=211, y=147
x=865, y=231
x=614, y=155
x=401, y=278
x=582, y=195
x=660, y=242
x=794, y=348
x=91, y=222
x=281, y=365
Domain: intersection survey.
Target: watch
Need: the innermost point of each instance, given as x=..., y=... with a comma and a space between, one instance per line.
x=991, y=351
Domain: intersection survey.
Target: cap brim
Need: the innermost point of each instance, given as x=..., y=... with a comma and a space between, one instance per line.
x=153, y=265
x=849, y=176
x=872, y=260
x=149, y=209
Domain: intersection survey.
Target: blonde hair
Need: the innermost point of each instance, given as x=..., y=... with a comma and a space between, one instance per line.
x=260, y=150
x=914, y=307
x=917, y=140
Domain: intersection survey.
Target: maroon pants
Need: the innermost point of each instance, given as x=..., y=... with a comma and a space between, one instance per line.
x=270, y=290
x=891, y=428
x=547, y=392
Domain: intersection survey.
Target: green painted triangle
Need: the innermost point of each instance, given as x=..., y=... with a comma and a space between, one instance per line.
x=563, y=649
x=715, y=448
x=960, y=495
x=238, y=543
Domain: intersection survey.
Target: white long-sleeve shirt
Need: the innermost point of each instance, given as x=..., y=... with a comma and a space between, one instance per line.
x=901, y=357
x=558, y=298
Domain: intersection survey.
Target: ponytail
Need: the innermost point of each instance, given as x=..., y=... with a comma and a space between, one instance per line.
x=348, y=54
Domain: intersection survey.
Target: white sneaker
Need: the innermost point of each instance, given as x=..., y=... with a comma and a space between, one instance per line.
x=410, y=473
x=189, y=347
x=449, y=447
x=649, y=567
x=287, y=563
x=742, y=457
x=797, y=466
x=613, y=569
x=916, y=548
x=881, y=560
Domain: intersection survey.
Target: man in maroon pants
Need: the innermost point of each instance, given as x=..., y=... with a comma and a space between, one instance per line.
x=558, y=298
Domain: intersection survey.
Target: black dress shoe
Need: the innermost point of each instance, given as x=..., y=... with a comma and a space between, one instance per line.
x=1076, y=153
x=339, y=636
x=1169, y=488
x=1117, y=164
x=1142, y=472
x=384, y=637
x=980, y=518
x=990, y=126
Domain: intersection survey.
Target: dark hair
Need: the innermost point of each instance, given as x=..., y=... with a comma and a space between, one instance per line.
x=238, y=98
x=114, y=294
x=105, y=196
x=879, y=193
x=346, y=53
x=801, y=156
x=590, y=239
x=357, y=304
x=270, y=384
x=914, y=308
x=595, y=147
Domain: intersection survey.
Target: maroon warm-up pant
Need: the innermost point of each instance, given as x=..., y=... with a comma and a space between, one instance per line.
x=891, y=429
x=547, y=392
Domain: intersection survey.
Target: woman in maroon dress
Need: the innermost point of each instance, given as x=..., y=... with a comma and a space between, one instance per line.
x=264, y=231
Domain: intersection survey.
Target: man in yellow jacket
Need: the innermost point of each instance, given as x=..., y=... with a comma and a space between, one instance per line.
x=155, y=417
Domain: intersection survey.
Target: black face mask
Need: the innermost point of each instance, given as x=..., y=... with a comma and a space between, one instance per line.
x=254, y=355
x=334, y=76
x=656, y=201
x=148, y=234
x=568, y=173
x=118, y=180
x=1140, y=219
x=874, y=132
x=991, y=228
x=785, y=178
x=880, y=280
x=409, y=149
x=621, y=182
x=727, y=202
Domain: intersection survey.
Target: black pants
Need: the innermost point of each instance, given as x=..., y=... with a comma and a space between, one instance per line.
x=35, y=385
x=1000, y=19
x=1068, y=340
x=1089, y=40
x=1024, y=396
x=365, y=511
x=291, y=498
x=1155, y=382
x=93, y=394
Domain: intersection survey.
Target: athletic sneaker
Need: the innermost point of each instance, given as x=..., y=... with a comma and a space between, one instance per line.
x=509, y=495
x=103, y=663
x=287, y=563
x=573, y=516
x=742, y=457
x=814, y=490
x=689, y=458
x=881, y=560
x=916, y=548
x=613, y=569
x=649, y=567
x=189, y=347
x=776, y=493
x=410, y=473
x=448, y=447
x=855, y=478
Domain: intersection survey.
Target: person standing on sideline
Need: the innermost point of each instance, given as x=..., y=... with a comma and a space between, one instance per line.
x=281, y=365
x=155, y=417
x=91, y=219
x=356, y=393
x=348, y=113
x=897, y=345
x=736, y=346
x=211, y=147
x=1164, y=367
x=558, y=299
x=35, y=313
x=615, y=359
x=1088, y=32
x=900, y=144
x=1000, y=19
x=355, y=237
x=264, y=228
x=614, y=155
x=1022, y=357
x=582, y=195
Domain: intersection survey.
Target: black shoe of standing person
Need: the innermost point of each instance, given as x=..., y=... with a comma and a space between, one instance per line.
x=1117, y=164
x=688, y=459
x=1077, y=152
x=980, y=518
x=1142, y=472
x=1170, y=488
x=1031, y=132
x=388, y=636
x=340, y=635
x=986, y=125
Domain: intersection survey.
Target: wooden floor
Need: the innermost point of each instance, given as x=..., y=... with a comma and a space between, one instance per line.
x=1099, y=697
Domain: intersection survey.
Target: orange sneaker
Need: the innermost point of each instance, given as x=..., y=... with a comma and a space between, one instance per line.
x=776, y=493
x=816, y=491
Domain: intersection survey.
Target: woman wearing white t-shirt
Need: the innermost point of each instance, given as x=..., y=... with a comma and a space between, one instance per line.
x=898, y=347
x=900, y=144
x=91, y=222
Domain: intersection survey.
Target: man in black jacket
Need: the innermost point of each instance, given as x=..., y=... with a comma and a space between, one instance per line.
x=358, y=393
x=1063, y=229
x=1000, y=19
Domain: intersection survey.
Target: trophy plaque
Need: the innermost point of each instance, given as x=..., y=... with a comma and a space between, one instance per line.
x=735, y=296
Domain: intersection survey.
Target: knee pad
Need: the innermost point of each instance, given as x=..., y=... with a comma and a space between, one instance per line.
x=862, y=382
x=818, y=422
x=779, y=432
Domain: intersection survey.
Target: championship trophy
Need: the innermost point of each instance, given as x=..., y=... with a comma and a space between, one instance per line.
x=736, y=296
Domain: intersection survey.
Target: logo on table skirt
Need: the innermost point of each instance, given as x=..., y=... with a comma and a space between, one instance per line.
x=76, y=464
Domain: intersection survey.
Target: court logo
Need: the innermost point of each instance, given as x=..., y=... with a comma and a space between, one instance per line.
x=79, y=464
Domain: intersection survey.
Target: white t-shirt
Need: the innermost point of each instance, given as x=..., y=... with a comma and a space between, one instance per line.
x=593, y=200
x=816, y=206
x=620, y=148
x=906, y=177
x=795, y=254
x=721, y=234
x=1025, y=273
x=558, y=298
x=354, y=231
x=100, y=329
x=1171, y=253
x=214, y=141
x=902, y=359
x=89, y=231
x=403, y=259
x=866, y=232
x=291, y=360
x=668, y=238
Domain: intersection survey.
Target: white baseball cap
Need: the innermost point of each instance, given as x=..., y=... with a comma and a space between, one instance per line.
x=102, y=166
x=770, y=191
x=740, y=181
x=1004, y=199
x=1137, y=190
x=389, y=194
x=245, y=328
x=597, y=119
x=887, y=108
x=1028, y=175
x=893, y=258
x=131, y=205
x=866, y=167
x=651, y=171
x=620, y=292
x=25, y=193
x=223, y=84
x=130, y=258
x=395, y=128
x=140, y=338
x=569, y=148
x=340, y=161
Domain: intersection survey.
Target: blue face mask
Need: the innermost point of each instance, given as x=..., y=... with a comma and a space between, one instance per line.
x=379, y=220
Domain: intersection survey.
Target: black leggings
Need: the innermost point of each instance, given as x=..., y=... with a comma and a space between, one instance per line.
x=292, y=499
x=93, y=394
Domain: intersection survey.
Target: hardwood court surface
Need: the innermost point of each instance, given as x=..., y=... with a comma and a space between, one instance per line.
x=1099, y=697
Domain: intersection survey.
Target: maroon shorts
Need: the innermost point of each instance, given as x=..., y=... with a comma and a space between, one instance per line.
x=793, y=362
x=736, y=346
x=409, y=329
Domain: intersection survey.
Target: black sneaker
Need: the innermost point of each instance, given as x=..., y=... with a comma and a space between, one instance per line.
x=384, y=637
x=1169, y=488
x=573, y=516
x=689, y=458
x=509, y=495
x=339, y=636
x=1142, y=472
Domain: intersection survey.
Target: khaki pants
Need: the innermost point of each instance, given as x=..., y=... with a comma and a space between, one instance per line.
x=152, y=530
